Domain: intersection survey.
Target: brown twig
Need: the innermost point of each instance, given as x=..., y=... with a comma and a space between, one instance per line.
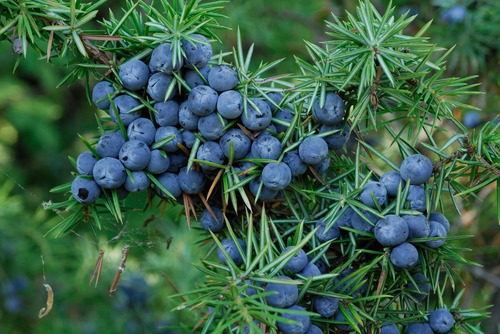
x=373, y=93
x=100, y=37
x=438, y=164
x=102, y=57
x=489, y=166
x=120, y=270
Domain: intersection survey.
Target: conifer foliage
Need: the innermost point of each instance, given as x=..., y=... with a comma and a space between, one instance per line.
x=310, y=227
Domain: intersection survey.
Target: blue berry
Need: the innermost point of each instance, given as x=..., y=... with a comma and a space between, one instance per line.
x=170, y=182
x=177, y=161
x=360, y=224
x=85, y=163
x=293, y=160
x=471, y=120
x=322, y=166
x=122, y=193
x=454, y=15
x=418, y=226
x=247, y=329
x=134, y=74
x=208, y=222
x=313, y=150
x=344, y=326
x=241, y=143
x=441, y=219
x=252, y=288
x=167, y=113
x=332, y=111
x=286, y=295
x=297, y=262
x=313, y=329
x=266, y=147
x=109, y=173
x=187, y=119
x=17, y=45
x=109, y=144
x=222, y=78
x=419, y=328
x=100, y=94
x=247, y=166
x=389, y=329
x=257, y=119
x=423, y=285
x=276, y=97
x=265, y=193
x=391, y=231
x=332, y=233
x=326, y=306
x=211, y=127
x=188, y=138
x=191, y=181
x=373, y=189
x=391, y=181
x=124, y=104
x=404, y=256
x=349, y=284
x=212, y=152
x=310, y=270
x=202, y=100
x=135, y=290
x=276, y=176
x=416, y=197
x=85, y=191
x=231, y=250
x=135, y=155
x=140, y=182
x=321, y=266
x=301, y=325
x=158, y=85
x=285, y=115
x=166, y=131
x=436, y=230
x=162, y=60
x=158, y=163
x=337, y=140
x=197, y=53
x=15, y=285
x=270, y=130
x=409, y=10
x=13, y=303
x=416, y=168
x=230, y=104
x=142, y=129
x=441, y=320
x=345, y=219
x=193, y=79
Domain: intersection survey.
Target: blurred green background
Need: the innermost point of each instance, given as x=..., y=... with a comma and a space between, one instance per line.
x=38, y=130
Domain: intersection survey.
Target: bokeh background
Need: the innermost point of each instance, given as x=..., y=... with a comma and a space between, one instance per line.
x=38, y=131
